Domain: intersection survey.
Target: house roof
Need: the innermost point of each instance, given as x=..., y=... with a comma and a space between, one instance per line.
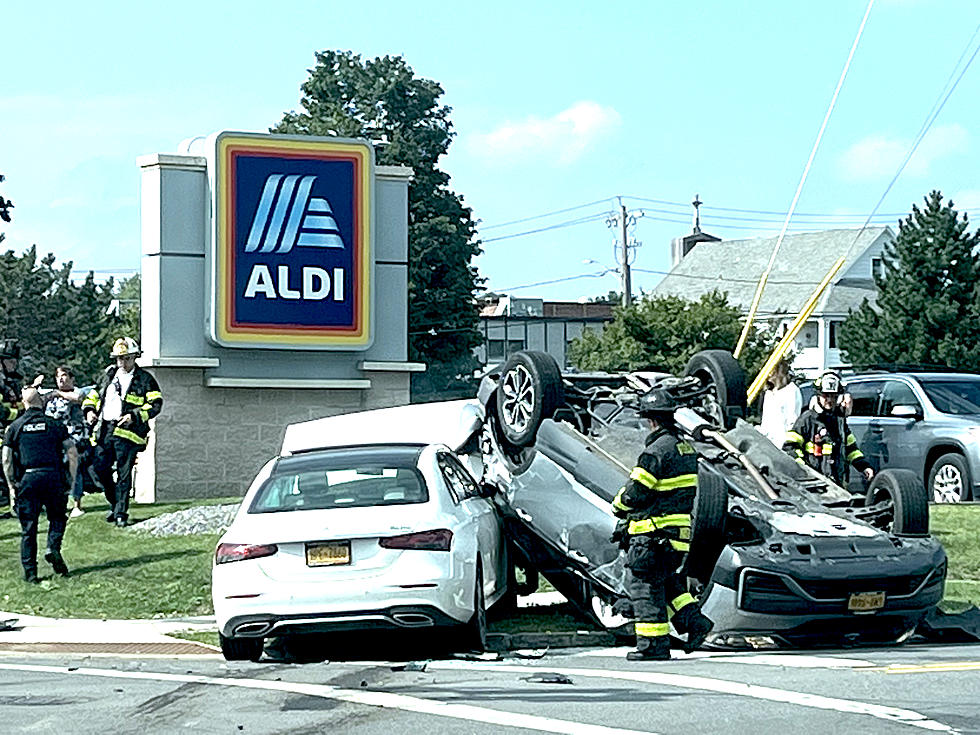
x=735, y=266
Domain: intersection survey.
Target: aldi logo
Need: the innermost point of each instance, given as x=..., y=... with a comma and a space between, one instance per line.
x=291, y=256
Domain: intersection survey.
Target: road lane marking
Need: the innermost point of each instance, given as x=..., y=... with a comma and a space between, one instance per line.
x=929, y=668
x=721, y=686
x=790, y=660
x=354, y=696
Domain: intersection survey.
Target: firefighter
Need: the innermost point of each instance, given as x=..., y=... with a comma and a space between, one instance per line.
x=10, y=385
x=34, y=468
x=120, y=409
x=821, y=438
x=656, y=506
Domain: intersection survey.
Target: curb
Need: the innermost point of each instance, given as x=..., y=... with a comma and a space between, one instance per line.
x=573, y=639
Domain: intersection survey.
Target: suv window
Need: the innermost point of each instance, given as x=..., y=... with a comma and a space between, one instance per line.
x=897, y=393
x=960, y=397
x=865, y=396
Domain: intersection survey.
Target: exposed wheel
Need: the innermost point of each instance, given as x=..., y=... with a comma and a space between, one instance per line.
x=473, y=636
x=241, y=649
x=905, y=496
x=725, y=379
x=707, y=526
x=949, y=479
x=530, y=390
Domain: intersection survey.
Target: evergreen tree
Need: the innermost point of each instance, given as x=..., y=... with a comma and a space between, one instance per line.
x=663, y=332
x=381, y=99
x=927, y=306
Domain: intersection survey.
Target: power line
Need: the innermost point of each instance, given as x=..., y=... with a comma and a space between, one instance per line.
x=556, y=280
x=559, y=225
x=545, y=214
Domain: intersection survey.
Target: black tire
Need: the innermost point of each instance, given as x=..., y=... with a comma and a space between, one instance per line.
x=909, y=500
x=949, y=479
x=473, y=635
x=241, y=649
x=707, y=526
x=725, y=402
x=530, y=390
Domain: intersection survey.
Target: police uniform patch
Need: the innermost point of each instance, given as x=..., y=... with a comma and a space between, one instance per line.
x=40, y=426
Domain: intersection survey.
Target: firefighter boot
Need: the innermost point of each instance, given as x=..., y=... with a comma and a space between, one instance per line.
x=697, y=632
x=651, y=649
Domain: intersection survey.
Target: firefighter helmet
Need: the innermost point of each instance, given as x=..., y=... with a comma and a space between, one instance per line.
x=828, y=383
x=9, y=349
x=125, y=347
x=657, y=402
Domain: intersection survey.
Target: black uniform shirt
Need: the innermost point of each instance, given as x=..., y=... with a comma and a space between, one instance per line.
x=36, y=440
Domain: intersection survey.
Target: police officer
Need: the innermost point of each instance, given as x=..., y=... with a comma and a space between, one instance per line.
x=120, y=409
x=33, y=464
x=656, y=506
x=10, y=385
x=821, y=438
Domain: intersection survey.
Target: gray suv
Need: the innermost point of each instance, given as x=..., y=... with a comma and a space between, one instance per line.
x=925, y=422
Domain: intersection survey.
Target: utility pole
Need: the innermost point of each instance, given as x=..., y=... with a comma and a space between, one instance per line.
x=622, y=221
x=625, y=254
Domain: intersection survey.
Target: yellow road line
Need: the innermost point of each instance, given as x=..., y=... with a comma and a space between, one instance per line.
x=930, y=668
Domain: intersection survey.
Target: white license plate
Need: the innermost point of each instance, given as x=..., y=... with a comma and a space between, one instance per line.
x=865, y=601
x=328, y=554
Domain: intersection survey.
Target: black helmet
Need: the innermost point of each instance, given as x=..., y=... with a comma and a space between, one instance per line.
x=828, y=383
x=657, y=402
x=9, y=349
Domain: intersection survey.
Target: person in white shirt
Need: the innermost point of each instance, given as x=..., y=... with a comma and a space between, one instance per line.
x=782, y=404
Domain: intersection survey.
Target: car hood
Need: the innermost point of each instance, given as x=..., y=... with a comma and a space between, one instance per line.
x=452, y=423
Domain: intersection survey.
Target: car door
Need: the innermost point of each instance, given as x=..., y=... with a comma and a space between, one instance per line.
x=902, y=438
x=489, y=536
x=865, y=397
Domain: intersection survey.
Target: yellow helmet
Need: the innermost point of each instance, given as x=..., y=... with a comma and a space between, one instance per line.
x=125, y=347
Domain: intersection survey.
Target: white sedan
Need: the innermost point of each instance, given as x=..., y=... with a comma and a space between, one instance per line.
x=361, y=536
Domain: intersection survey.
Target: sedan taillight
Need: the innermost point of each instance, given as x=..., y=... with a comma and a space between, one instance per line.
x=237, y=552
x=437, y=540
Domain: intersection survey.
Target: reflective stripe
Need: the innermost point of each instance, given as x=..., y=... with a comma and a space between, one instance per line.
x=856, y=454
x=682, y=600
x=810, y=448
x=649, y=525
x=851, y=440
x=793, y=438
x=643, y=477
x=154, y=395
x=669, y=483
x=145, y=414
x=828, y=448
x=680, y=545
x=799, y=460
x=618, y=503
x=124, y=434
x=91, y=400
x=652, y=630
x=134, y=400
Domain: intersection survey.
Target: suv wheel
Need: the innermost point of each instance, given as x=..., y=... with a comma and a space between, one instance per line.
x=949, y=479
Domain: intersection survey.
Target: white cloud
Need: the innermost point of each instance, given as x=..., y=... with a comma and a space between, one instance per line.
x=879, y=156
x=564, y=137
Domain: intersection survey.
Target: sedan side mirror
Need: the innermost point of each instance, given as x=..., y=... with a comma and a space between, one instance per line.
x=907, y=412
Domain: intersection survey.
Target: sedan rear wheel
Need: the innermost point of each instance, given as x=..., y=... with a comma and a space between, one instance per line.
x=241, y=649
x=903, y=494
x=530, y=390
x=949, y=479
x=723, y=376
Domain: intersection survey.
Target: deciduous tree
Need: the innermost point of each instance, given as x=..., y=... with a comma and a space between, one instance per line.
x=381, y=99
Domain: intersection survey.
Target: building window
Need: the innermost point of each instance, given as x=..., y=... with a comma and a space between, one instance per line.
x=499, y=350
x=877, y=268
x=832, y=334
x=809, y=335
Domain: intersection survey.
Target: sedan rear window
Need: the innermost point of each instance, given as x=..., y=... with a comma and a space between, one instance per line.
x=960, y=397
x=322, y=489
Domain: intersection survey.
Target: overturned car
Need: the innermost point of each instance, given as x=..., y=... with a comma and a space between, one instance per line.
x=779, y=554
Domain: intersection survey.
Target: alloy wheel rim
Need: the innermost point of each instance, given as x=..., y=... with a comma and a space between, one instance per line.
x=518, y=398
x=947, y=485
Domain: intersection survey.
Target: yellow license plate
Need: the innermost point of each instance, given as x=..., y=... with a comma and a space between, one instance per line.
x=328, y=554
x=865, y=601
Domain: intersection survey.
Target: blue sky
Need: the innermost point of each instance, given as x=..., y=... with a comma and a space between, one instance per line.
x=555, y=105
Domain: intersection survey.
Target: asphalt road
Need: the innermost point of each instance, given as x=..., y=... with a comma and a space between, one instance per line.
x=584, y=692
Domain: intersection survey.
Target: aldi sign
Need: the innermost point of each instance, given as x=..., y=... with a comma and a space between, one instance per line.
x=291, y=260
